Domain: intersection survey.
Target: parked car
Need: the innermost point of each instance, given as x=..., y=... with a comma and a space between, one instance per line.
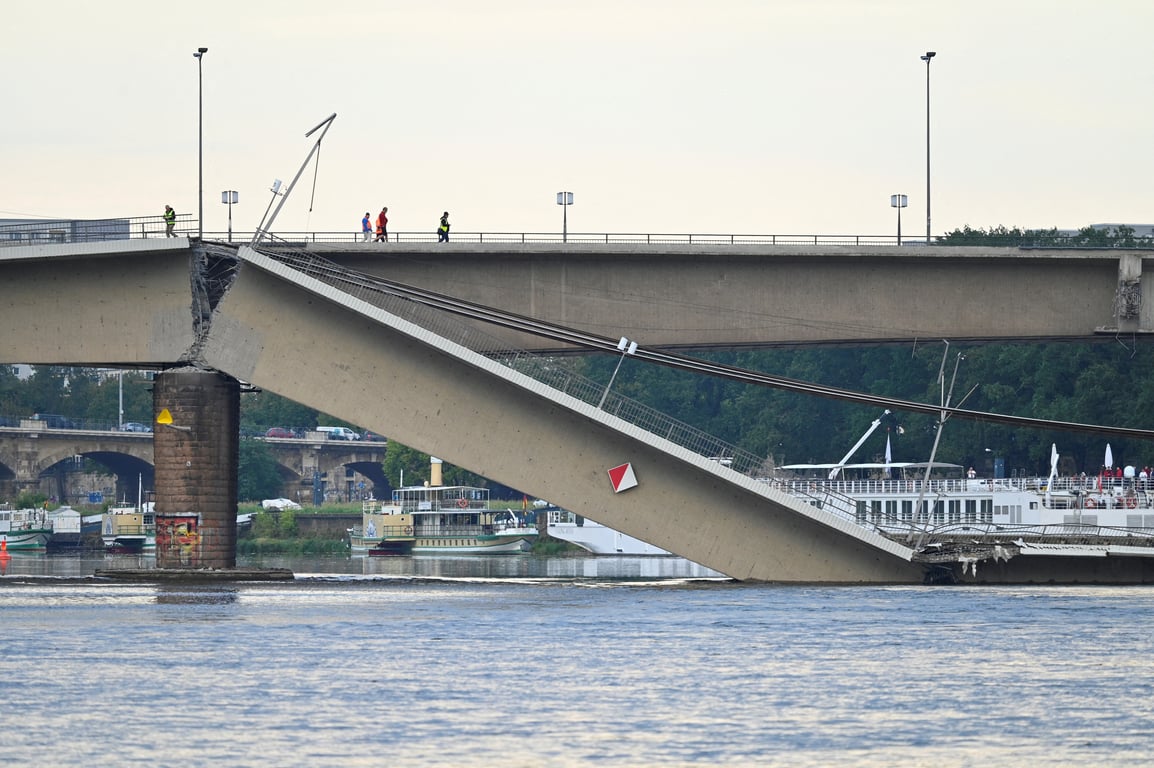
x=280, y=432
x=339, y=433
x=134, y=426
x=373, y=437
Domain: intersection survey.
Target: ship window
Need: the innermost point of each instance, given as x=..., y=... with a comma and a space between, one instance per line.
x=971, y=510
x=891, y=511
x=861, y=511
x=907, y=510
x=939, y=512
x=955, y=508
x=876, y=510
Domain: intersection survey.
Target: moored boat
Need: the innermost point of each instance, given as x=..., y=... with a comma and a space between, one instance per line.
x=440, y=520
x=24, y=530
x=129, y=530
x=384, y=530
x=953, y=517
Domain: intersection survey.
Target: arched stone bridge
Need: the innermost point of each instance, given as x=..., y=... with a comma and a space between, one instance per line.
x=32, y=457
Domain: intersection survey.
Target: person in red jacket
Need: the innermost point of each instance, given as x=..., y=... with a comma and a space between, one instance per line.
x=383, y=225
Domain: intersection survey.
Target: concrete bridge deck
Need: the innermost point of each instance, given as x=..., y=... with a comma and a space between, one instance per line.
x=357, y=361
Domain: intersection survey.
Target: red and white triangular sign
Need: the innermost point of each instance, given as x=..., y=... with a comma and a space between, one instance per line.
x=622, y=478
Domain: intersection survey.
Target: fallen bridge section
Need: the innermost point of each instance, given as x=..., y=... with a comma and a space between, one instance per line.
x=308, y=341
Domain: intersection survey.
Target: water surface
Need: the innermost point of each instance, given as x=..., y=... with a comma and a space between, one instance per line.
x=539, y=661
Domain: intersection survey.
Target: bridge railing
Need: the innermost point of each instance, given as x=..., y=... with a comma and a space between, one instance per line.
x=51, y=231
x=43, y=231
x=304, y=239
x=47, y=231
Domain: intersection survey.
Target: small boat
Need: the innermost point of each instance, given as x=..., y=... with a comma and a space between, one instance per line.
x=129, y=530
x=384, y=530
x=595, y=537
x=25, y=530
x=453, y=519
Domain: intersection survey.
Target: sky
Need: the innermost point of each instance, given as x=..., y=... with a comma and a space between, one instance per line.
x=660, y=116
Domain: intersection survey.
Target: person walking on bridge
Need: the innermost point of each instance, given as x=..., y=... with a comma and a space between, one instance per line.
x=383, y=225
x=443, y=230
x=169, y=221
x=367, y=227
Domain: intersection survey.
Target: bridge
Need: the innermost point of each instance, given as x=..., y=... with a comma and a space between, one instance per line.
x=312, y=330
x=33, y=457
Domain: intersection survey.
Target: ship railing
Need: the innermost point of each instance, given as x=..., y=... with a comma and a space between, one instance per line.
x=466, y=529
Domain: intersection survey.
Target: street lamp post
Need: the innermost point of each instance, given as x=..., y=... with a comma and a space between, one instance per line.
x=199, y=55
x=230, y=196
x=929, y=55
x=899, y=202
x=564, y=199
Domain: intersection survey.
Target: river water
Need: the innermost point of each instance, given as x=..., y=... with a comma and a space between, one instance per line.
x=525, y=661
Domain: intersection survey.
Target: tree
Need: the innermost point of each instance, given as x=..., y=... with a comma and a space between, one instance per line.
x=261, y=410
x=257, y=474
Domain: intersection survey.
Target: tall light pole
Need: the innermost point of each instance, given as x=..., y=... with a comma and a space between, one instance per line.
x=199, y=55
x=929, y=55
x=899, y=202
x=564, y=199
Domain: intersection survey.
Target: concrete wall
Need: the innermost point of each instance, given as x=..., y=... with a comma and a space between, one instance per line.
x=97, y=304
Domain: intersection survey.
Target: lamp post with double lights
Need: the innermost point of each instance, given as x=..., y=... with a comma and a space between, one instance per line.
x=230, y=196
x=564, y=199
x=199, y=56
x=926, y=58
x=899, y=202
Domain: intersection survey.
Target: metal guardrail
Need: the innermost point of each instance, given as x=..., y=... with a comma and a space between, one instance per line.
x=52, y=231
x=45, y=231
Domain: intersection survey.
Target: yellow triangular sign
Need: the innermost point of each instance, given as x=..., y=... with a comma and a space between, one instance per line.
x=164, y=417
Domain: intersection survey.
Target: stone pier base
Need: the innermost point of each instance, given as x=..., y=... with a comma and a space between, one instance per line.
x=196, y=466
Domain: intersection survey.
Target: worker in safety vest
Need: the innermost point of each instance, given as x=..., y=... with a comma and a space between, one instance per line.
x=169, y=221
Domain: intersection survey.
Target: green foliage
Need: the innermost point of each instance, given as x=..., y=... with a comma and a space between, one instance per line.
x=30, y=500
x=261, y=410
x=264, y=526
x=258, y=475
x=1087, y=237
x=288, y=524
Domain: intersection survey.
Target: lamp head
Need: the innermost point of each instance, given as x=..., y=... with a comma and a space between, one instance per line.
x=929, y=55
x=199, y=52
